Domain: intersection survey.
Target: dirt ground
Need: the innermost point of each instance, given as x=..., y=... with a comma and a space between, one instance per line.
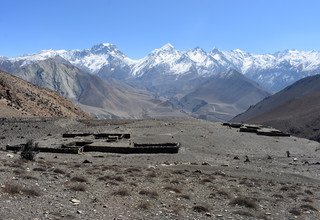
x=207, y=179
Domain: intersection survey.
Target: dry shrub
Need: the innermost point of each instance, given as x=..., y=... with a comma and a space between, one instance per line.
x=31, y=192
x=244, y=201
x=180, y=172
x=144, y=205
x=308, y=207
x=221, y=193
x=41, y=169
x=307, y=199
x=243, y=213
x=78, y=187
x=80, y=179
x=205, y=180
x=108, y=177
x=184, y=196
x=173, y=188
x=121, y=192
x=295, y=211
x=152, y=174
x=175, y=182
x=59, y=171
x=28, y=150
x=12, y=188
x=309, y=192
x=132, y=170
x=200, y=208
x=151, y=194
x=277, y=196
x=29, y=177
x=18, y=171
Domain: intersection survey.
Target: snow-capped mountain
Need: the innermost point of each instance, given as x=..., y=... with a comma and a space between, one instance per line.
x=91, y=60
x=272, y=71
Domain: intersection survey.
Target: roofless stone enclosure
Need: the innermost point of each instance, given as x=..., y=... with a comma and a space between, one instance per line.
x=258, y=129
x=74, y=143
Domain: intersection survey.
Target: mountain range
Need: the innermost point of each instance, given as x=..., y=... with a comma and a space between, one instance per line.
x=272, y=71
x=193, y=82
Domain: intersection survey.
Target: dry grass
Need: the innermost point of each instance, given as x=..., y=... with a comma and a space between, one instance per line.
x=307, y=199
x=309, y=192
x=145, y=205
x=59, y=171
x=175, y=182
x=108, y=177
x=221, y=193
x=205, y=180
x=31, y=192
x=173, y=188
x=184, y=196
x=80, y=179
x=40, y=169
x=200, y=208
x=121, y=192
x=132, y=170
x=308, y=207
x=29, y=177
x=18, y=171
x=151, y=194
x=78, y=187
x=13, y=188
x=243, y=213
x=295, y=211
x=244, y=201
x=152, y=174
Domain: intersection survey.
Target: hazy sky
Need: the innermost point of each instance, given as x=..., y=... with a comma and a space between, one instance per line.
x=139, y=26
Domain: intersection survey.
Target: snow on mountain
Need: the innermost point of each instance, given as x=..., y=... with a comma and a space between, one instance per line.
x=91, y=60
x=167, y=57
x=273, y=71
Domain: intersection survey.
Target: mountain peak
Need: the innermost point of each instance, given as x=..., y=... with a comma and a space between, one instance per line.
x=104, y=48
x=199, y=50
x=165, y=48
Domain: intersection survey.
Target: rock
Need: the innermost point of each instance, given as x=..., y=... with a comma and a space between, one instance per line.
x=295, y=159
x=205, y=164
x=247, y=159
x=219, y=216
x=86, y=161
x=75, y=201
x=288, y=153
x=236, y=158
x=225, y=165
x=208, y=214
x=10, y=155
x=79, y=212
x=269, y=157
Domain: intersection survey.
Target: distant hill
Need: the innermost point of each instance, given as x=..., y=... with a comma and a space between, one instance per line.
x=223, y=96
x=19, y=98
x=295, y=109
x=103, y=98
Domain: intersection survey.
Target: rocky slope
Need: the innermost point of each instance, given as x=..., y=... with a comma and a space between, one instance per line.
x=19, y=98
x=223, y=96
x=295, y=109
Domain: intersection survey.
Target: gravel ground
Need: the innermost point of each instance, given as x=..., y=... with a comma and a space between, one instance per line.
x=207, y=179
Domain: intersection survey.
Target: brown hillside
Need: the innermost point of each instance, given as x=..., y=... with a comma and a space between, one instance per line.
x=19, y=98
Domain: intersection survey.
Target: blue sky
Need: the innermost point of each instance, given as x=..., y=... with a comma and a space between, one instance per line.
x=139, y=26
